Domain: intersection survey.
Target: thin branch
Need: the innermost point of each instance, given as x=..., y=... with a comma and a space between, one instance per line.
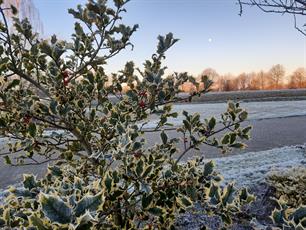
x=294, y=7
x=37, y=162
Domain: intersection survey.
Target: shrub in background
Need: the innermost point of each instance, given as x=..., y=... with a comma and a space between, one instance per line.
x=290, y=187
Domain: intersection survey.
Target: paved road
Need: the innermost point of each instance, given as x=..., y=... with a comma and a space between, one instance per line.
x=266, y=134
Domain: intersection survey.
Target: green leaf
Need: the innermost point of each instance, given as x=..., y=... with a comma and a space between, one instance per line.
x=6, y=216
x=161, y=96
x=7, y=160
x=226, y=139
x=55, y=171
x=37, y=222
x=174, y=115
x=29, y=181
x=139, y=167
x=14, y=10
x=195, y=119
x=184, y=201
x=209, y=168
x=245, y=196
x=32, y=129
x=187, y=125
x=146, y=201
x=21, y=192
x=2, y=123
x=108, y=183
x=231, y=106
x=238, y=145
x=233, y=138
x=88, y=202
x=85, y=222
x=119, y=3
x=228, y=195
x=165, y=42
x=164, y=137
x=55, y=209
x=212, y=123
x=243, y=115
x=156, y=211
x=91, y=78
x=45, y=48
x=185, y=113
x=277, y=216
x=147, y=171
x=53, y=39
x=247, y=130
x=136, y=145
x=53, y=106
x=13, y=84
x=2, y=222
x=226, y=219
x=299, y=214
x=214, y=193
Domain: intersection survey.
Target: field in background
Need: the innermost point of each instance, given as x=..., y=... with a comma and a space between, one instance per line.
x=253, y=95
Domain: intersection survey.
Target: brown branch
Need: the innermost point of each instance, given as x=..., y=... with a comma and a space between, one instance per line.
x=209, y=135
x=94, y=55
x=294, y=7
x=37, y=162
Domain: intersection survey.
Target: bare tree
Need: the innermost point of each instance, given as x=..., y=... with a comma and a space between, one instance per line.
x=254, y=82
x=243, y=81
x=227, y=83
x=297, y=8
x=298, y=78
x=276, y=76
x=212, y=74
x=261, y=76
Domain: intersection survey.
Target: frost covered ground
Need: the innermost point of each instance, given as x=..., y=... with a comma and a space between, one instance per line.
x=251, y=168
x=256, y=110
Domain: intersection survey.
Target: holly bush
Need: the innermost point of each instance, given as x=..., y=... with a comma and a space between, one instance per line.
x=59, y=106
x=290, y=198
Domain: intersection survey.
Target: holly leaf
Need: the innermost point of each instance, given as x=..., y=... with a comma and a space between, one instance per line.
x=55, y=209
x=88, y=202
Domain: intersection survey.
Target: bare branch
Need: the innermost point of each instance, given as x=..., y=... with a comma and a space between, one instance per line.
x=293, y=7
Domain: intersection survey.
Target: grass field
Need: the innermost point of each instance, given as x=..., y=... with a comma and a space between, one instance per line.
x=253, y=95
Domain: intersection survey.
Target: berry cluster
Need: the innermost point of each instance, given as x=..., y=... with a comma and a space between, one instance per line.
x=65, y=75
x=27, y=118
x=143, y=96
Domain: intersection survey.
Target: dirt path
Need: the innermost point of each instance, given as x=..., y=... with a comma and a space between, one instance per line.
x=267, y=134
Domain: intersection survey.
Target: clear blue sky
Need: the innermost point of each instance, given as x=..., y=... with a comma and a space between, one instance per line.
x=211, y=34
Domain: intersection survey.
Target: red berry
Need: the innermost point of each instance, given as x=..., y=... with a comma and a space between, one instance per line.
x=185, y=140
x=66, y=81
x=65, y=74
x=142, y=104
x=27, y=119
x=143, y=94
x=137, y=154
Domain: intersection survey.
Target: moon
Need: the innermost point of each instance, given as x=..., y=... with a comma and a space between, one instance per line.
x=209, y=40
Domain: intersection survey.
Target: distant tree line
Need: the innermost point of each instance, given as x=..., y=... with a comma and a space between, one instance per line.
x=275, y=78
